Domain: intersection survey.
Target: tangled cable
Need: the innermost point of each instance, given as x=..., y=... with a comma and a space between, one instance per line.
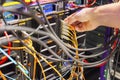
x=68, y=44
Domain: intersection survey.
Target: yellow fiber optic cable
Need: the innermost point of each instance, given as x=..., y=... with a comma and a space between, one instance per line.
x=31, y=47
x=29, y=43
x=35, y=57
x=13, y=48
x=77, y=54
x=52, y=67
x=34, y=70
x=2, y=75
x=69, y=33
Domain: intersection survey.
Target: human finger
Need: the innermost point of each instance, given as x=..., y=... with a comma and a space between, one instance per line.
x=76, y=23
x=71, y=19
x=68, y=17
x=81, y=16
x=84, y=26
x=79, y=28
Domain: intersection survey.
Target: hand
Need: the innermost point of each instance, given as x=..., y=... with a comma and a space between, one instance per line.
x=84, y=20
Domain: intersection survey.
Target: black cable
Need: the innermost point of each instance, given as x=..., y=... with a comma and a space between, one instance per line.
x=4, y=40
x=116, y=63
x=39, y=5
x=33, y=15
x=21, y=40
x=101, y=60
x=39, y=32
x=109, y=68
x=71, y=56
x=89, y=64
x=36, y=18
x=35, y=51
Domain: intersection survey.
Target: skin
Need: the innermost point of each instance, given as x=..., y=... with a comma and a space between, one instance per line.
x=89, y=19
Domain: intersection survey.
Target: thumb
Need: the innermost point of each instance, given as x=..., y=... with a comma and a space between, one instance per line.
x=70, y=19
x=81, y=16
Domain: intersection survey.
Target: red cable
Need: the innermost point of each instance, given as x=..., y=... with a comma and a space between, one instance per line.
x=113, y=46
x=4, y=58
x=88, y=5
x=115, y=42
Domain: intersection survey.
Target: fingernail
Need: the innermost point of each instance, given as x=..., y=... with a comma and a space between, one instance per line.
x=76, y=28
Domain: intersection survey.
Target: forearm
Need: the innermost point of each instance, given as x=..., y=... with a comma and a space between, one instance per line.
x=108, y=15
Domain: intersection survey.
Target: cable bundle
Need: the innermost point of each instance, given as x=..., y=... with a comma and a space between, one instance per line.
x=68, y=44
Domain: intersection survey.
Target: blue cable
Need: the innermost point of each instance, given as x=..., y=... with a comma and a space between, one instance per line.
x=9, y=77
x=19, y=66
x=8, y=56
